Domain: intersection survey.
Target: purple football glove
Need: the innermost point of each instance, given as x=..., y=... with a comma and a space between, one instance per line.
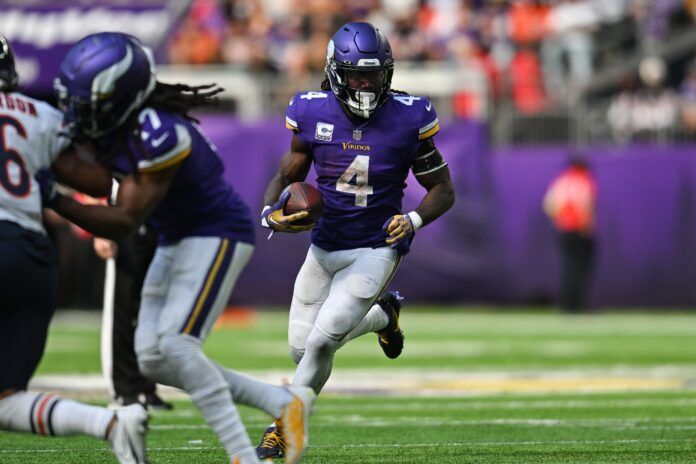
x=401, y=232
x=275, y=219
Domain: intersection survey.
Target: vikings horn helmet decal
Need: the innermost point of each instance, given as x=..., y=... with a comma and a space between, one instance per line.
x=103, y=79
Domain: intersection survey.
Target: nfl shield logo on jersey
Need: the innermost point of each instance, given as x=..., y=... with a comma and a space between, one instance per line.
x=324, y=131
x=357, y=134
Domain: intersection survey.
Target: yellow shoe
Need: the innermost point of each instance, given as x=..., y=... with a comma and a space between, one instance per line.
x=293, y=422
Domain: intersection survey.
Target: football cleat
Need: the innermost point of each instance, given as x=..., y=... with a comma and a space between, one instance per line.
x=391, y=338
x=293, y=423
x=155, y=403
x=272, y=444
x=127, y=438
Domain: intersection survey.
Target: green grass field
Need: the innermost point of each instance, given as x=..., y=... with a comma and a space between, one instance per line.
x=507, y=387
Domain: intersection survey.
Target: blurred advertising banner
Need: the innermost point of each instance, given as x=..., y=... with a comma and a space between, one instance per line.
x=41, y=31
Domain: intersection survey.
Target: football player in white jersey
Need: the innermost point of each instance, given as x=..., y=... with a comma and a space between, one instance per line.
x=30, y=139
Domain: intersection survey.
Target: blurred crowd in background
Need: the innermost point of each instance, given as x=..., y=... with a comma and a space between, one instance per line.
x=567, y=74
x=536, y=55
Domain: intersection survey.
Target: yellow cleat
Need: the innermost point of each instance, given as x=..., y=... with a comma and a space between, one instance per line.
x=293, y=423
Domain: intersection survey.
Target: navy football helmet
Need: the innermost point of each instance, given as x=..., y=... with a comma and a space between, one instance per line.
x=8, y=74
x=103, y=79
x=359, y=66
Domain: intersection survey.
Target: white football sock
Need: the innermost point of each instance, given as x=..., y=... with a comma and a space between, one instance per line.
x=46, y=414
x=209, y=391
x=250, y=392
x=375, y=320
x=246, y=457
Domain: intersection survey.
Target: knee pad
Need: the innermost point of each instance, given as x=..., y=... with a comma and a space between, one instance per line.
x=152, y=365
x=296, y=355
x=155, y=366
x=321, y=344
x=178, y=349
x=198, y=375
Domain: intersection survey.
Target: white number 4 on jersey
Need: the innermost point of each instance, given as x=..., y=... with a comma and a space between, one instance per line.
x=357, y=170
x=406, y=99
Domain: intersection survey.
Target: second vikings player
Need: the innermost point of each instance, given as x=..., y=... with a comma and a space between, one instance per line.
x=171, y=174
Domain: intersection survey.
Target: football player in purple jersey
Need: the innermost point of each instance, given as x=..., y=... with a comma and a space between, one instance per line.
x=363, y=139
x=170, y=174
x=32, y=138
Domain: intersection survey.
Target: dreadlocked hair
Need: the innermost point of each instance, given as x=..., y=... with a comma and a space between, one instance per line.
x=182, y=98
x=326, y=85
x=174, y=98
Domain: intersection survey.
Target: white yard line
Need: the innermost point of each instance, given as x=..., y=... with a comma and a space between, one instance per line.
x=359, y=421
x=390, y=445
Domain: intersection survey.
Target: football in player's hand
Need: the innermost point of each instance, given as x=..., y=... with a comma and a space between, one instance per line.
x=304, y=197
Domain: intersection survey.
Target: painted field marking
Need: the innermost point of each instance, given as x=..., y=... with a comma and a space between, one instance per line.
x=391, y=445
x=360, y=421
x=536, y=385
x=466, y=404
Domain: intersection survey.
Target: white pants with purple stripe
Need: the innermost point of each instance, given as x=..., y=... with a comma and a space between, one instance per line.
x=188, y=285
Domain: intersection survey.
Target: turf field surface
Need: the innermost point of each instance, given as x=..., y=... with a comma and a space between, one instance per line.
x=471, y=387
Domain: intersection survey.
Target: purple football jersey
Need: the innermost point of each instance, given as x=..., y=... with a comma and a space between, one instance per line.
x=199, y=203
x=361, y=168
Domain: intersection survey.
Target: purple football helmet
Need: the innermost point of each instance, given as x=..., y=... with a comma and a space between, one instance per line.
x=8, y=74
x=103, y=79
x=359, y=65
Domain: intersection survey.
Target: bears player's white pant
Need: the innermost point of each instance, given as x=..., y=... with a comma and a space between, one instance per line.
x=334, y=291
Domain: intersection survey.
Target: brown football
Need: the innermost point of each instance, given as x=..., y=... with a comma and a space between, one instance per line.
x=304, y=196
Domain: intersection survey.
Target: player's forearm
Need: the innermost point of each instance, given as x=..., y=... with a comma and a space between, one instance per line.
x=436, y=202
x=103, y=221
x=92, y=186
x=294, y=166
x=275, y=188
x=83, y=175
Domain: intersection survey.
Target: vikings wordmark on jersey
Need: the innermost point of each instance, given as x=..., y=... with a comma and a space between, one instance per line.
x=361, y=169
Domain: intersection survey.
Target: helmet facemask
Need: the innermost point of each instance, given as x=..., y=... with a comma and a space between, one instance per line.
x=363, y=86
x=8, y=74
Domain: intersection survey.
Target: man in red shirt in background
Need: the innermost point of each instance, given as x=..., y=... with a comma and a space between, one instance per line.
x=570, y=203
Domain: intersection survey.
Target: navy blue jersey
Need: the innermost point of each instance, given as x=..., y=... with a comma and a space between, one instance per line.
x=361, y=168
x=199, y=203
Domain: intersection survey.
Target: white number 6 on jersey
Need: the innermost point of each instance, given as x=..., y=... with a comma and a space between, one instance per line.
x=358, y=169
